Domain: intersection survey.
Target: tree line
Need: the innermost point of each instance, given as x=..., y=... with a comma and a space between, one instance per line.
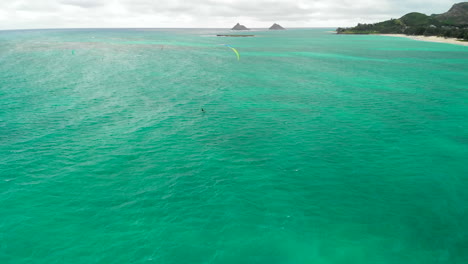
x=395, y=26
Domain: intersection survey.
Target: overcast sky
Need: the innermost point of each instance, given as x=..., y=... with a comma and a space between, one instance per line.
x=24, y=14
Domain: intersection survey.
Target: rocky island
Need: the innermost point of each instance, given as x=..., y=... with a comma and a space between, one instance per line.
x=276, y=27
x=452, y=24
x=240, y=27
x=237, y=27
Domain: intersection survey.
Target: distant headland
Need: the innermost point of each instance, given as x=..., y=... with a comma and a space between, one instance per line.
x=452, y=24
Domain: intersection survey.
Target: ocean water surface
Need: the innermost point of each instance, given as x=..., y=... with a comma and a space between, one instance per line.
x=313, y=148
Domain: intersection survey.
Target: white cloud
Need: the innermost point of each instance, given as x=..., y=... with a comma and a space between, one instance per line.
x=205, y=13
x=83, y=3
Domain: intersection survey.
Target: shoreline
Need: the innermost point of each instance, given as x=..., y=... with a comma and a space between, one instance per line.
x=428, y=39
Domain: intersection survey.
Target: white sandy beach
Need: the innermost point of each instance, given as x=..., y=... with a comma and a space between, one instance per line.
x=429, y=39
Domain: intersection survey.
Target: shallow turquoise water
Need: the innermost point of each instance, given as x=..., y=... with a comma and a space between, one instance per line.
x=314, y=148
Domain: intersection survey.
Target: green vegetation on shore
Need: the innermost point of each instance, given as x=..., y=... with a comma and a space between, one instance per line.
x=452, y=24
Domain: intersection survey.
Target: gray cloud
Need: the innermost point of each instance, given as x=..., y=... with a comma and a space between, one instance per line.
x=205, y=13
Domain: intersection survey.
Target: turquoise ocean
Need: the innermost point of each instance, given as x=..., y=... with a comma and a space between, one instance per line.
x=313, y=148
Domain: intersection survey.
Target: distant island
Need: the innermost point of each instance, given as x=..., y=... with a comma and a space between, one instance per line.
x=240, y=27
x=234, y=36
x=276, y=27
x=452, y=24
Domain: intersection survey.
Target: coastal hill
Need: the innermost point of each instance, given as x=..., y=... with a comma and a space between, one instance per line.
x=276, y=27
x=453, y=23
x=240, y=27
x=457, y=15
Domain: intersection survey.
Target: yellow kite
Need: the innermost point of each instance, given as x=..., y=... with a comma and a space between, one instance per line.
x=233, y=49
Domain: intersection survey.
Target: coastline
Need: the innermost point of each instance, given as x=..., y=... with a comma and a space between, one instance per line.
x=428, y=39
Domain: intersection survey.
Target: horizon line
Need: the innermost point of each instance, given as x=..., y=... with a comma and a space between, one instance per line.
x=80, y=28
